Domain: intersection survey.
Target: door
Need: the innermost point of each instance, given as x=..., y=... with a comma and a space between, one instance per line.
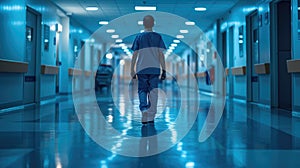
x=254, y=55
x=31, y=39
x=283, y=54
x=230, y=59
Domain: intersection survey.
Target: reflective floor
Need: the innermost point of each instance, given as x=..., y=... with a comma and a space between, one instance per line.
x=106, y=132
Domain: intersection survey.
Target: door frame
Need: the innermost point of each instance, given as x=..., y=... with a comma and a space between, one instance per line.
x=38, y=53
x=273, y=51
x=249, y=53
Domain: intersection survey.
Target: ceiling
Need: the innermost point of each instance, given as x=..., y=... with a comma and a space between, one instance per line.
x=112, y=10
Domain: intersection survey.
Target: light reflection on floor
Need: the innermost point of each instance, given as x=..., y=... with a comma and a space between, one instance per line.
x=246, y=136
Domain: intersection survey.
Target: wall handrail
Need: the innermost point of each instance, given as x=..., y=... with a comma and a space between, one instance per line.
x=262, y=69
x=49, y=70
x=238, y=71
x=201, y=74
x=87, y=73
x=74, y=72
x=227, y=71
x=293, y=66
x=9, y=66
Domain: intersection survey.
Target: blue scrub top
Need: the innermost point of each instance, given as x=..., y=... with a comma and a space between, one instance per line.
x=148, y=45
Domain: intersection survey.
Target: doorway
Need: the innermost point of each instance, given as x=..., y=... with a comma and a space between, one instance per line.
x=30, y=84
x=281, y=49
x=57, y=62
x=253, y=56
x=224, y=57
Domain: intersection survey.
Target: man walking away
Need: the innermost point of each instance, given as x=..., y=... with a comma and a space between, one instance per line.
x=148, y=54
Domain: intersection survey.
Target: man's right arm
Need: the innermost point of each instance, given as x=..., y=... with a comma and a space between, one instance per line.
x=133, y=61
x=163, y=65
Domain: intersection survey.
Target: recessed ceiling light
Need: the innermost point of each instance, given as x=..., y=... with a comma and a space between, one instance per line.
x=91, y=8
x=103, y=22
x=180, y=36
x=298, y=8
x=176, y=41
x=110, y=30
x=190, y=23
x=119, y=41
x=114, y=36
x=201, y=9
x=145, y=8
x=184, y=31
x=174, y=45
x=109, y=56
x=170, y=50
x=140, y=22
x=122, y=44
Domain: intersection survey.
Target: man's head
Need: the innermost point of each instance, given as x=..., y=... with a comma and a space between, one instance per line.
x=148, y=21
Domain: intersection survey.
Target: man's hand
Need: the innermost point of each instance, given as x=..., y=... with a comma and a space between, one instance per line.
x=163, y=75
x=133, y=74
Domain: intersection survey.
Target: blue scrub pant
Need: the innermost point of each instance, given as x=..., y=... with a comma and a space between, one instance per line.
x=148, y=94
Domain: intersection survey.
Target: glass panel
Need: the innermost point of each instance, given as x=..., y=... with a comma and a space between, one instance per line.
x=241, y=40
x=46, y=37
x=29, y=33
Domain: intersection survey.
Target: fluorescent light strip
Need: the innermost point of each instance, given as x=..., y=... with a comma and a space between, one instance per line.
x=91, y=8
x=119, y=41
x=110, y=30
x=103, y=22
x=140, y=22
x=114, y=36
x=174, y=45
x=176, y=41
x=298, y=8
x=201, y=9
x=180, y=36
x=145, y=8
x=190, y=23
x=184, y=31
x=122, y=44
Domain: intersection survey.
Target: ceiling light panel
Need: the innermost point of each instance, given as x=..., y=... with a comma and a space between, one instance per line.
x=200, y=9
x=103, y=22
x=189, y=23
x=91, y=8
x=110, y=30
x=184, y=31
x=145, y=8
x=115, y=36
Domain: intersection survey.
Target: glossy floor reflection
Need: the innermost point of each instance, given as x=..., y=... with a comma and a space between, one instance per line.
x=51, y=135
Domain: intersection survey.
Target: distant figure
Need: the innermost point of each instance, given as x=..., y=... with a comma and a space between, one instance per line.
x=148, y=50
